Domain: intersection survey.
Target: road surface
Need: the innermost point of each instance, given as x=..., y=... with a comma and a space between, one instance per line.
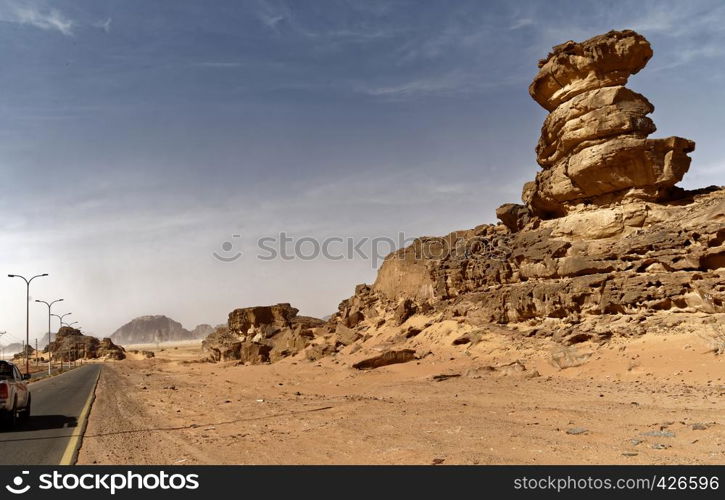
x=57, y=404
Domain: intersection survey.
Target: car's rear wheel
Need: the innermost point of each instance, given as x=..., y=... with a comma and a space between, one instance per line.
x=10, y=418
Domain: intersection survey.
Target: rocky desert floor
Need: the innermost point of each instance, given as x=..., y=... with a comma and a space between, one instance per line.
x=654, y=399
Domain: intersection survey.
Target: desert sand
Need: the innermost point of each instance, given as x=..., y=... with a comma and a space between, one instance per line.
x=656, y=399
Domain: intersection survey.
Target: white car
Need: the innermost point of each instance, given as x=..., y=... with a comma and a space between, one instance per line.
x=14, y=394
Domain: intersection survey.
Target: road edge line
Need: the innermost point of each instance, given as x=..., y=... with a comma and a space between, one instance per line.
x=70, y=456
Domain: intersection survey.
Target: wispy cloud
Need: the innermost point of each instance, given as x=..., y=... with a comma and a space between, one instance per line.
x=521, y=23
x=104, y=25
x=272, y=15
x=218, y=64
x=452, y=83
x=456, y=82
x=279, y=17
x=31, y=15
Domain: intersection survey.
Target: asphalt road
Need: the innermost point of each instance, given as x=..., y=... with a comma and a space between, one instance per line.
x=57, y=403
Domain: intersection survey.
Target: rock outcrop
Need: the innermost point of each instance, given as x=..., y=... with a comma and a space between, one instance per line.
x=604, y=235
x=150, y=330
x=70, y=344
x=108, y=350
x=27, y=352
x=261, y=334
x=594, y=147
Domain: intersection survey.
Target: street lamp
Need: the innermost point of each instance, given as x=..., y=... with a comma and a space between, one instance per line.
x=69, y=324
x=3, y=347
x=27, y=313
x=49, y=304
x=60, y=317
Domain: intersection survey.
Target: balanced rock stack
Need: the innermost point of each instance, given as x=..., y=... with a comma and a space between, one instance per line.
x=593, y=147
x=605, y=246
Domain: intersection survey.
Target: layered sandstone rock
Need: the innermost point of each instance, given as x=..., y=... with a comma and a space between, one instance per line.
x=605, y=238
x=261, y=334
x=70, y=344
x=632, y=259
x=593, y=146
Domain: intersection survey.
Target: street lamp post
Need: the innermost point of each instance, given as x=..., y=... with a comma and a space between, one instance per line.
x=49, y=304
x=27, y=312
x=3, y=347
x=60, y=317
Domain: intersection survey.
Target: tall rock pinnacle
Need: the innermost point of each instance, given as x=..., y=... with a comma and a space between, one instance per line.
x=593, y=147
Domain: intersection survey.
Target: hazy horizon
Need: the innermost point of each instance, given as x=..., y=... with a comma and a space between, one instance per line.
x=140, y=136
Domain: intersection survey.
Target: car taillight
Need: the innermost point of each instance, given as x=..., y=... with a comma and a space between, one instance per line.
x=3, y=391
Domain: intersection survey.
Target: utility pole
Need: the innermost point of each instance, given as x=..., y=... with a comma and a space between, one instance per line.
x=3, y=347
x=27, y=311
x=36, y=352
x=50, y=352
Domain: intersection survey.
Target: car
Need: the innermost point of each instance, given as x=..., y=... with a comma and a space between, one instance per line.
x=14, y=395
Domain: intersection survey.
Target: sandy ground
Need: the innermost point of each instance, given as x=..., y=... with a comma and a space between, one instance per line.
x=653, y=400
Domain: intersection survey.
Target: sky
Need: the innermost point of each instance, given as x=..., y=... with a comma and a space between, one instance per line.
x=139, y=138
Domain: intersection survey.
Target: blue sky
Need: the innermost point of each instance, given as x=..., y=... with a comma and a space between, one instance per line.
x=139, y=135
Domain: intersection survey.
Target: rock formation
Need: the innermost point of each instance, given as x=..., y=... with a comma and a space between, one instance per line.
x=261, y=334
x=150, y=330
x=593, y=147
x=70, y=344
x=604, y=243
x=201, y=331
x=28, y=351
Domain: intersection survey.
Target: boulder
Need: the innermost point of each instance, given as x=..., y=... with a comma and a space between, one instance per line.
x=241, y=321
x=108, y=350
x=406, y=308
x=222, y=345
x=602, y=61
x=386, y=358
x=513, y=216
x=345, y=336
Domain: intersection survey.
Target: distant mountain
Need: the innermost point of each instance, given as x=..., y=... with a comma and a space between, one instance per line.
x=149, y=330
x=11, y=349
x=201, y=331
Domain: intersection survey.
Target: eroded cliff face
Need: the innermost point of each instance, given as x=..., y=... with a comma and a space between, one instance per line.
x=604, y=235
x=632, y=259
